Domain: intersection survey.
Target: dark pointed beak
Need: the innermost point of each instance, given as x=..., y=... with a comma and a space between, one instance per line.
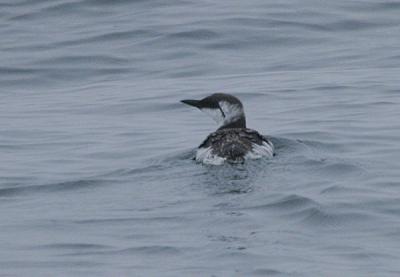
x=194, y=103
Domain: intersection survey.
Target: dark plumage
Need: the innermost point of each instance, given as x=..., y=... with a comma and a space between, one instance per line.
x=233, y=144
x=233, y=141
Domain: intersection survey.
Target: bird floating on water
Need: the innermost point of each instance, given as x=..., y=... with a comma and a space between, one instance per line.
x=232, y=142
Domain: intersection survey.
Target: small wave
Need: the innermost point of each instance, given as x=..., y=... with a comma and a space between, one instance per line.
x=352, y=25
x=151, y=250
x=84, y=60
x=102, y=221
x=388, y=5
x=330, y=87
x=340, y=189
x=325, y=146
x=13, y=264
x=137, y=250
x=72, y=246
x=318, y=217
x=374, y=6
x=267, y=272
x=290, y=202
x=55, y=187
x=16, y=71
x=115, y=2
x=120, y=35
x=195, y=34
x=340, y=169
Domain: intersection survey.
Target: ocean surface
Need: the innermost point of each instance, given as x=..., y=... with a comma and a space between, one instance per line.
x=96, y=169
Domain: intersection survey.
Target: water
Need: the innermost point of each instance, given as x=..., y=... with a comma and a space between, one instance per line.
x=96, y=169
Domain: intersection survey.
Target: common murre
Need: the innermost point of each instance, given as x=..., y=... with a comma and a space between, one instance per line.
x=232, y=142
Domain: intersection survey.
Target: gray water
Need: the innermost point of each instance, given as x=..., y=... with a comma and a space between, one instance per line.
x=96, y=169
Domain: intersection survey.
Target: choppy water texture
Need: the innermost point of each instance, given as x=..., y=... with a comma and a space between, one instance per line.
x=96, y=175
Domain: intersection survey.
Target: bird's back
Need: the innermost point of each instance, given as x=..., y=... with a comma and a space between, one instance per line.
x=233, y=145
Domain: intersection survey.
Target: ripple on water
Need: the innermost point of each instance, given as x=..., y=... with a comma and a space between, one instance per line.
x=340, y=169
x=94, y=85
x=73, y=246
x=54, y=187
x=194, y=34
x=153, y=250
x=287, y=203
x=327, y=217
x=268, y=272
x=232, y=178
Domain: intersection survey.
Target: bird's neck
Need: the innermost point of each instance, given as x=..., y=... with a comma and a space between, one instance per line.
x=240, y=122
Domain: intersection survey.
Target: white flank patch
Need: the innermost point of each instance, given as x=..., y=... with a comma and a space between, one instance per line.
x=260, y=151
x=204, y=155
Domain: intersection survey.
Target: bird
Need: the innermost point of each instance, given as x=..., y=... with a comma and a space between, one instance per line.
x=232, y=142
